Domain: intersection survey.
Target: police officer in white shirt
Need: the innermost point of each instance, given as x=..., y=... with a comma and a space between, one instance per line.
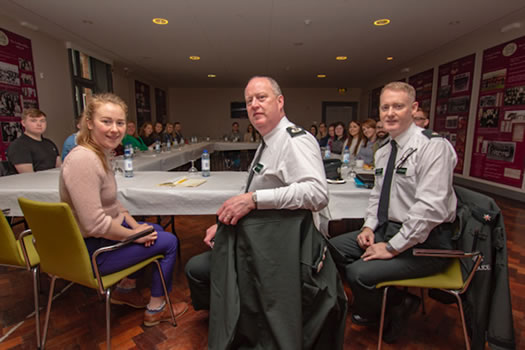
x=287, y=173
x=416, y=213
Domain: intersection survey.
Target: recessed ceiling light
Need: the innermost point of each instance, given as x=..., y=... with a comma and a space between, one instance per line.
x=341, y=58
x=211, y=76
x=321, y=76
x=389, y=58
x=160, y=21
x=194, y=58
x=381, y=22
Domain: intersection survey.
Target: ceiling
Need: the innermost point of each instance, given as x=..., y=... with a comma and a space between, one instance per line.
x=291, y=40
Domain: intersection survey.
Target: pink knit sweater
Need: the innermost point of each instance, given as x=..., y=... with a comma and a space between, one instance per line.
x=90, y=192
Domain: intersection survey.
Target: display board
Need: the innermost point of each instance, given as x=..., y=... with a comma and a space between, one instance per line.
x=143, y=103
x=498, y=152
x=422, y=82
x=17, y=85
x=453, y=104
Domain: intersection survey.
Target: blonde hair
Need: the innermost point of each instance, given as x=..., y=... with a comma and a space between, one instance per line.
x=401, y=86
x=33, y=113
x=84, y=137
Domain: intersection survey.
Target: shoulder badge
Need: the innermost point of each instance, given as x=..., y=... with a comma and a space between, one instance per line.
x=430, y=133
x=295, y=131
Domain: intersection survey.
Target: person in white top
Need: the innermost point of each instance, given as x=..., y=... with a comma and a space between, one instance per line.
x=417, y=211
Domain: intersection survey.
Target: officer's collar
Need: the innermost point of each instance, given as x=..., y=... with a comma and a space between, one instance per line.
x=405, y=136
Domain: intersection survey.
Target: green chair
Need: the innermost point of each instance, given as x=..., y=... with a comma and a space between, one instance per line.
x=22, y=254
x=450, y=281
x=63, y=253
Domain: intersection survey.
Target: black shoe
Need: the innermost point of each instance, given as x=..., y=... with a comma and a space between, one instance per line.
x=398, y=316
x=361, y=321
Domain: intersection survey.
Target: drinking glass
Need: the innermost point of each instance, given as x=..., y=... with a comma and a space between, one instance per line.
x=193, y=170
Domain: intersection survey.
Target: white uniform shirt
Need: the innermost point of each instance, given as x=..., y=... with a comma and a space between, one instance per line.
x=421, y=196
x=290, y=173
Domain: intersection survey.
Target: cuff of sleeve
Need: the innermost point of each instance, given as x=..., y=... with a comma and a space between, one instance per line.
x=371, y=223
x=398, y=243
x=265, y=199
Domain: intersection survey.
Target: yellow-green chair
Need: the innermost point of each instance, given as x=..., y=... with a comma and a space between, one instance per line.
x=64, y=254
x=22, y=254
x=450, y=281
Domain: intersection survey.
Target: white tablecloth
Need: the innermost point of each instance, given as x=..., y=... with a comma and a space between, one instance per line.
x=151, y=161
x=141, y=195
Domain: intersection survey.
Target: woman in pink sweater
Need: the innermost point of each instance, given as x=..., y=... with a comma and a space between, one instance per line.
x=87, y=184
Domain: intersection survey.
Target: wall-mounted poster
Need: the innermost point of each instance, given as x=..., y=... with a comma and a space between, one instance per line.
x=422, y=82
x=17, y=85
x=142, y=102
x=498, y=152
x=453, y=103
x=373, y=111
x=160, y=105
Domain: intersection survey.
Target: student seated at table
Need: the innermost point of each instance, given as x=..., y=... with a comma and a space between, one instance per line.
x=178, y=133
x=167, y=135
x=92, y=195
x=32, y=152
x=355, y=138
x=366, y=152
x=157, y=132
x=133, y=138
x=71, y=140
x=251, y=135
x=146, y=133
x=339, y=139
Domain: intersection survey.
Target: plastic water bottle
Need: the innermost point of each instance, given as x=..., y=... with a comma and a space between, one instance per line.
x=157, y=147
x=328, y=152
x=346, y=157
x=128, y=161
x=205, y=163
x=168, y=144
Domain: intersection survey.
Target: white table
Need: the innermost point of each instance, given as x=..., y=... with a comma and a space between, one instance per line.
x=151, y=161
x=141, y=195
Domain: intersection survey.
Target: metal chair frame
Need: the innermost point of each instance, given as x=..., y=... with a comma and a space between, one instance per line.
x=456, y=254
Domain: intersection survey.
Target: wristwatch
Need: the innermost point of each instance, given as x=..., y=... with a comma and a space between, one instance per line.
x=390, y=249
x=254, y=198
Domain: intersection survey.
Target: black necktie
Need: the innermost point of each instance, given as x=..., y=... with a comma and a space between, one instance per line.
x=384, y=198
x=254, y=164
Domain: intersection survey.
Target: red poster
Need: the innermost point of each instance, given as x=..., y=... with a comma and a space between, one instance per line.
x=499, y=149
x=422, y=82
x=453, y=104
x=17, y=85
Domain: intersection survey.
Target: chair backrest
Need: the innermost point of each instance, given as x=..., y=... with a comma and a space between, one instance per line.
x=58, y=241
x=10, y=253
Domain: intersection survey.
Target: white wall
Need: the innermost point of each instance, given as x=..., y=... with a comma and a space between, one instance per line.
x=475, y=42
x=206, y=112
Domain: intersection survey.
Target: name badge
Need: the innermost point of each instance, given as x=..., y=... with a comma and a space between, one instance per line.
x=257, y=168
x=379, y=171
x=401, y=171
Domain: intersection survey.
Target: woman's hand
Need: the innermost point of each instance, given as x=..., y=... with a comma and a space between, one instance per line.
x=148, y=240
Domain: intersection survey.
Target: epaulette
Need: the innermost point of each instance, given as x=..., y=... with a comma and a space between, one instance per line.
x=295, y=131
x=430, y=133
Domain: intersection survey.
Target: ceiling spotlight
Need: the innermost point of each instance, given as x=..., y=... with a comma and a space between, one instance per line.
x=211, y=76
x=515, y=25
x=341, y=58
x=381, y=22
x=194, y=58
x=389, y=58
x=160, y=21
x=321, y=76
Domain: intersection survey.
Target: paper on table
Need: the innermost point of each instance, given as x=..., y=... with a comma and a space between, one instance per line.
x=184, y=181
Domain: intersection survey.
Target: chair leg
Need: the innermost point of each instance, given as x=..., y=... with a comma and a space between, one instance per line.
x=382, y=321
x=423, y=310
x=48, y=310
x=108, y=318
x=463, y=323
x=36, y=292
x=166, y=295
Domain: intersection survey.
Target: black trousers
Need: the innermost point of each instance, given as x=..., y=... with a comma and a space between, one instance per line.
x=198, y=275
x=363, y=276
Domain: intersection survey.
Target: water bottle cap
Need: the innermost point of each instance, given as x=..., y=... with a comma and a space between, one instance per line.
x=205, y=151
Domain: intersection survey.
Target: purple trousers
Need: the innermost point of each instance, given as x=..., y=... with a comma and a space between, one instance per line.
x=134, y=253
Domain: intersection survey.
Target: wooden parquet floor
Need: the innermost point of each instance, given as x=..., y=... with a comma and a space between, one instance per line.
x=77, y=319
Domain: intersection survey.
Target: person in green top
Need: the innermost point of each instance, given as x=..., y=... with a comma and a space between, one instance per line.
x=132, y=137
